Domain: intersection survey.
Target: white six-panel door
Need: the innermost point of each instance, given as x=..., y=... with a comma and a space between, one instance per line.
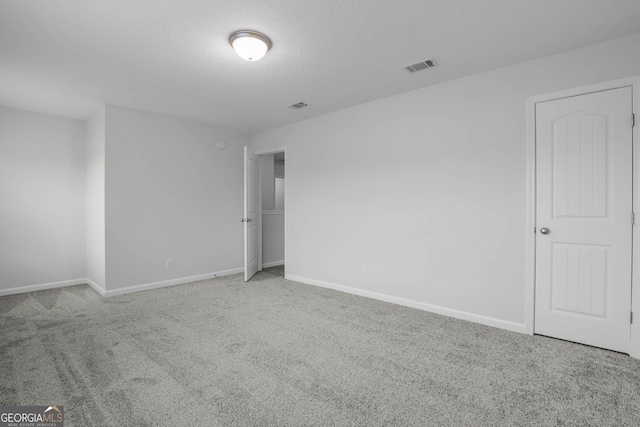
x=251, y=223
x=584, y=218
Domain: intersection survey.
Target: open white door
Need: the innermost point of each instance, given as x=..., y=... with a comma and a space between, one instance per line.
x=584, y=218
x=250, y=220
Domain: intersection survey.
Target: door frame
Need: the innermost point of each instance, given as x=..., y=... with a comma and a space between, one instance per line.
x=274, y=150
x=634, y=83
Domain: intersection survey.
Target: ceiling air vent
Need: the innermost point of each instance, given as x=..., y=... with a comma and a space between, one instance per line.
x=298, y=105
x=429, y=63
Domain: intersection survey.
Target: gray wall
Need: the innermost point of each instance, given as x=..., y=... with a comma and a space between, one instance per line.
x=428, y=188
x=278, y=170
x=273, y=238
x=170, y=194
x=267, y=181
x=95, y=199
x=414, y=186
x=42, y=211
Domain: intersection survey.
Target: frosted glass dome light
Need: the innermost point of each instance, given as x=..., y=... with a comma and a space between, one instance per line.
x=250, y=45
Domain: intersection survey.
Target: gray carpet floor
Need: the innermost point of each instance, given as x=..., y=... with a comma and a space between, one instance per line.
x=272, y=352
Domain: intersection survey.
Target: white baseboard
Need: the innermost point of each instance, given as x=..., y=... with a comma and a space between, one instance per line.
x=172, y=282
x=42, y=287
x=476, y=318
x=99, y=289
x=105, y=293
x=272, y=264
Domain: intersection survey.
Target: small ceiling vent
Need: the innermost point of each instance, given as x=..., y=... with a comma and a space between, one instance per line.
x=429, y=63
x=298, y=105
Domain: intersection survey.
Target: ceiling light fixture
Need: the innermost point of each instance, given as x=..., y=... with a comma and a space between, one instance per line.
x=250, y=45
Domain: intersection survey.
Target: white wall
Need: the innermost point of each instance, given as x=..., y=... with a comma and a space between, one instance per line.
x=278, y=170
x=170, y=194
x=427, y=188
x=267, y=181
x=95, y=198
x=272, y=238
x=42, y=188
x=272, y=223
x=279, y=185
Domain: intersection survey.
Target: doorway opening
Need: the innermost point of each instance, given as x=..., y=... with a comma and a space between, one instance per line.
x=272, y=202
x=265, y=200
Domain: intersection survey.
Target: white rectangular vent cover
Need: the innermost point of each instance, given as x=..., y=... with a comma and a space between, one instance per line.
x=423, y=65
x=298, y=105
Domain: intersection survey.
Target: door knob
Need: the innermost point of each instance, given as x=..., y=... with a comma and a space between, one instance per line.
x=544, y=230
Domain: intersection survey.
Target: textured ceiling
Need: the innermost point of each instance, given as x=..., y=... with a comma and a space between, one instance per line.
x=66, y=57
